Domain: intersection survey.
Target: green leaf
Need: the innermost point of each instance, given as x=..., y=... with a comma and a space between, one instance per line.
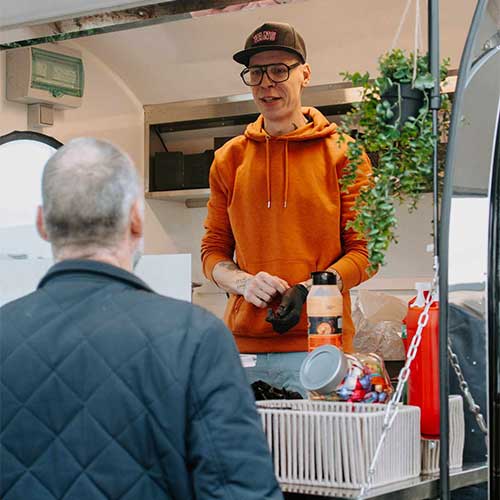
x=423, y=82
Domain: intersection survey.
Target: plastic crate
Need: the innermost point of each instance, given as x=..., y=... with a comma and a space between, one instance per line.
x=320, y=443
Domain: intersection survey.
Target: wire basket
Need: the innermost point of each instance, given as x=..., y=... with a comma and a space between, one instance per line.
x=318, y=443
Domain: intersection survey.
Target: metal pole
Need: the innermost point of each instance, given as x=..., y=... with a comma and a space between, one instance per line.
x=494, y=330
x=435, y=103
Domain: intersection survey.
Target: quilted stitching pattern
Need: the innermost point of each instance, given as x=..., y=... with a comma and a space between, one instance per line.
x=84, y=420
x=108, y=391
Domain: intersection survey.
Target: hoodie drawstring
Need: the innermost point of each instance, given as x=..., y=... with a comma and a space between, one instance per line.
x=286, y=175
x=317, y=127
x=268, y=173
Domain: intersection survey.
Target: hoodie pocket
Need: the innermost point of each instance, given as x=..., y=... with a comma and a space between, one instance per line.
x=245, y=319
x=233, y=315
x=248, y=320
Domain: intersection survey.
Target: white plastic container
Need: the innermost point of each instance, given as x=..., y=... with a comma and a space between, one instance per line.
x=318, y=443
x=431, y=447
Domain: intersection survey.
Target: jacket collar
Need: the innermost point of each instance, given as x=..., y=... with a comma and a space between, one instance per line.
x=67, y=267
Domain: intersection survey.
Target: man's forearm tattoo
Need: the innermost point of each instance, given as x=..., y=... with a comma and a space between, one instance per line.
x=241, y=282
x=230, y=266
x=242, y=278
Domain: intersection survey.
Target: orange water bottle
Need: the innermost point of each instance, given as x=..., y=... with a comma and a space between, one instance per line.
x=324, y=311
x=423, y=382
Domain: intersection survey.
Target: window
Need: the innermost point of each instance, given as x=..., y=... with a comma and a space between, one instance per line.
x=22, y=158
x=469, y=222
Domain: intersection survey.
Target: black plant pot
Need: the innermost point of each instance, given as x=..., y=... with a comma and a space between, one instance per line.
x=411, y=102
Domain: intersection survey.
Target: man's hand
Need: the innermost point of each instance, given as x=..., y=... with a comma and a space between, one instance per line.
x=260, y=289
x=287, y=315
x=257, y=289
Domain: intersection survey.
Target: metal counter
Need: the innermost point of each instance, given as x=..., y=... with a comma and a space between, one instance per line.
x=424, y=487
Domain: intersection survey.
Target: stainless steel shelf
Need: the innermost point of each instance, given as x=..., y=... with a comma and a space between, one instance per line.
x=424, y=487
x=331, y=94
x=192, y=198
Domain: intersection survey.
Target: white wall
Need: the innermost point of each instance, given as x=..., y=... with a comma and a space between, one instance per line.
x=110, y=111
x=13, y=116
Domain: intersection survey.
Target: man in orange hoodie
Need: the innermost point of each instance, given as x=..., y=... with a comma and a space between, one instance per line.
x=277, y=213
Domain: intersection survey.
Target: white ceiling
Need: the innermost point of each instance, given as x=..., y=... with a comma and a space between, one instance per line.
x=192, y=58
x=18, y=12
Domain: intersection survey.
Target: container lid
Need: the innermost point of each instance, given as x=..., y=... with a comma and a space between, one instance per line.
x=423, y=286
x=324, y=278
x=323, y=369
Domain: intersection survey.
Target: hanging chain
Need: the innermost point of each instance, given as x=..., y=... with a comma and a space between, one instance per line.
x=474, y=408
x=393, y=405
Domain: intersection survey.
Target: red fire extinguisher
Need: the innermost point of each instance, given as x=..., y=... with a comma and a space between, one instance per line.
x=423, y=382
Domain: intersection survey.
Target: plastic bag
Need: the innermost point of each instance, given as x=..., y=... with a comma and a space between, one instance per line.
x=377, y=321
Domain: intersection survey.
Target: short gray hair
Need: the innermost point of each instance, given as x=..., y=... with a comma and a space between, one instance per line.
x=88, y=189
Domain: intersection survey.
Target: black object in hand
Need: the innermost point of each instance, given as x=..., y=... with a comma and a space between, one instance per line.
x=287, y=314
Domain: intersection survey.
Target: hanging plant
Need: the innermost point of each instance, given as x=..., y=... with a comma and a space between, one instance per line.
x=394, y=127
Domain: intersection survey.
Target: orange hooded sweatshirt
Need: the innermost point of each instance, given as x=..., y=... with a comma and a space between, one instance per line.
x=276, y=206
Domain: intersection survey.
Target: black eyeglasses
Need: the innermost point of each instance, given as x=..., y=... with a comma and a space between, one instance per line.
x=277, y=73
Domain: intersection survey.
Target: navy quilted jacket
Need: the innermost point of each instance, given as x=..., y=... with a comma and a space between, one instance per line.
x=110, y=391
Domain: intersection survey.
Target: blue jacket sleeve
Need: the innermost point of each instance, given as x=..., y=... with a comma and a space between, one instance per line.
x=227, y=450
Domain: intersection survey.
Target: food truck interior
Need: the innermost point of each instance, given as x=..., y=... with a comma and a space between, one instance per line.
x=158, y=80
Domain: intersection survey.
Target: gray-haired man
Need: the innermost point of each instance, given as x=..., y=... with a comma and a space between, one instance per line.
x=109, y=390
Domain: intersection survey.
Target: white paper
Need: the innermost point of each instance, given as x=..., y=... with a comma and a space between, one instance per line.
x=248, y=360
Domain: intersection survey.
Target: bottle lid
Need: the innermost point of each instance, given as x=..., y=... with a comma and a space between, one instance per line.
x=423, y=286
x=323, y=369
x=324, y=278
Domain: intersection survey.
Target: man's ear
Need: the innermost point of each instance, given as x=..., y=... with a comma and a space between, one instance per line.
x=40, y=224
x=137, y=219
x=306, y=72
